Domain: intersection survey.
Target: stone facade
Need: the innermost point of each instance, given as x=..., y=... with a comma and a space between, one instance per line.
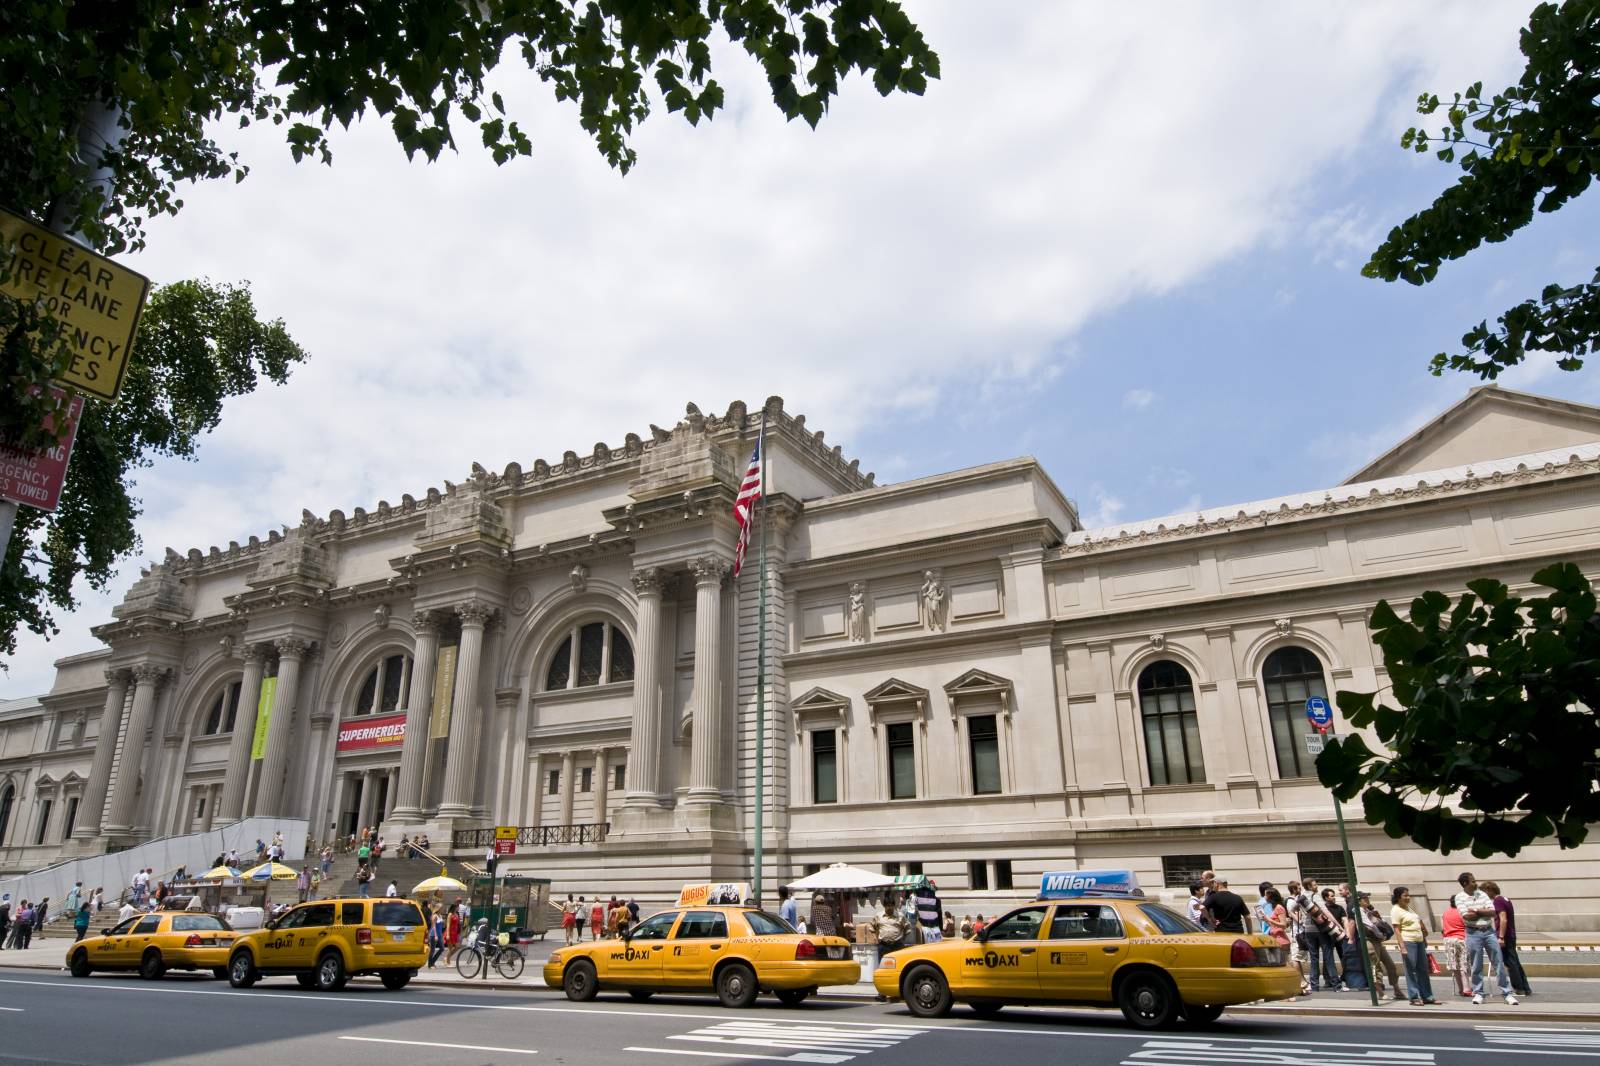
x=961, y=680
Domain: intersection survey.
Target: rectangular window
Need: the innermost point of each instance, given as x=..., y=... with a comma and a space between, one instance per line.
x=902, y=761
x=72, y=817
x=586, y=779
x=1002, y=873
x=811, y=868
x=1181, y=871
x=983, y=737
x=352, y=913
x=891, y=869
x=44, y=820
x=621, y=775
x=555, y=783
x=1325, y=867
x=913, y=868
x=824, y=766
x=978, y=875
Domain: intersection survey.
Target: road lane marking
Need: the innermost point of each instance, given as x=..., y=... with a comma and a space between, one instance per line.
x=1539, y=1037
x=15, y=1010
x=453, y=1047
x=742, y=1056
x=1267, y=1053
x=806, y=1041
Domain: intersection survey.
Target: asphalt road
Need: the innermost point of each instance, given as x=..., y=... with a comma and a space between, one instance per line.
x=108, y=1019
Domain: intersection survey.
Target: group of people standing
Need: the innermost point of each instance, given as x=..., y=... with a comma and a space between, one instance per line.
x=446, y=925
x=612, y=917
x=1317, y=927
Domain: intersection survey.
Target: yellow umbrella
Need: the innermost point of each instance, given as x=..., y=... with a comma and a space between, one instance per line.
x=443, y=883
x=218, y=873
x=275, y=871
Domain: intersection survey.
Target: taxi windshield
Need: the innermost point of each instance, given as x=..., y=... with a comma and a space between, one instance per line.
x=764, y=924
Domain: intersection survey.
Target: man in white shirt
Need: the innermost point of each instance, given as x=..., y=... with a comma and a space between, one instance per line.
x=1477, y=914
x=128, y=911
x=392, y=891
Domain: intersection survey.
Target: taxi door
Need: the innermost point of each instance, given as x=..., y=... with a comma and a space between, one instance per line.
x=293, y=942
x=1081, y=950
x=118, y=946
x=140, y=937
x=636, y=962
x=1006, y=963
x=700, y=942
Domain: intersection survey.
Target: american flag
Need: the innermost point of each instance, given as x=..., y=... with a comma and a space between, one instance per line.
x=744, y=505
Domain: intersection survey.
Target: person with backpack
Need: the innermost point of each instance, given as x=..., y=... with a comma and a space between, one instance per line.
x=1378, y=933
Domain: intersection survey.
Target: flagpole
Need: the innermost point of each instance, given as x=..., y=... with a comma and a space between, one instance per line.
x=761, y=660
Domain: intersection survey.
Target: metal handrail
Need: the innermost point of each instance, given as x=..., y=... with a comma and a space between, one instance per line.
x=534, y=835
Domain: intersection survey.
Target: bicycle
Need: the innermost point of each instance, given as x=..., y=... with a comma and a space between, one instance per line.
x=474, y=958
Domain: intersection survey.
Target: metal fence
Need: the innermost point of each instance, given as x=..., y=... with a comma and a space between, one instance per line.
x=532, y=835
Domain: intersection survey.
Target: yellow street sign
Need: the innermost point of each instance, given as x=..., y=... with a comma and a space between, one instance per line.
x=97, y=301
x=505, y=832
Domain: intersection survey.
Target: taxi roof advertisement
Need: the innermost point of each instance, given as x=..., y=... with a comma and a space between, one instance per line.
x=726, y=893
x=1070, y=884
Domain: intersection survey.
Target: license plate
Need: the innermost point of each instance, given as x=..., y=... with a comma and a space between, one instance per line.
x=837, y=952
x=221, y=943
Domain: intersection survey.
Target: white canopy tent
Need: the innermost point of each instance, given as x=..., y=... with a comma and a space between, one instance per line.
x=841, y=878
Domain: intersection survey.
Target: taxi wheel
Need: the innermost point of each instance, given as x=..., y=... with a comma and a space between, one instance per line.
x=395, y=980
x=579, y=981
x=242, y=971
x=330, y=974
x=151, y=968
x=926, y=992
x=986, y=1008
x=736, y=985
x=792, y=997
x=1202, y=1015
x=80, y=964
x=639, y=995
x=1148, y=1000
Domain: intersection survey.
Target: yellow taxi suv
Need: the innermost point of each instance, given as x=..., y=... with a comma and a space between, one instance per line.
x=1092, y=939
x=155, y=943
x=735, y=951
x=325, y=943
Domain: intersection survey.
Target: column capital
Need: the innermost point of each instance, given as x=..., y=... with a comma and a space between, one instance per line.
x=649, y=581
x=709, y=570
x=117, y=675
x=149, y=674
x=253, y=654
x=426, y=623
x=291, y=647
x=474, y=613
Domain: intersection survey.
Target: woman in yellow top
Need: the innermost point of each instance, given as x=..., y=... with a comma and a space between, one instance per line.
x=1411, y=938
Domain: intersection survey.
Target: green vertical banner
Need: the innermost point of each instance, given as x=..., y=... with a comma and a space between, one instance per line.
x=444, y=692
x=258, y=746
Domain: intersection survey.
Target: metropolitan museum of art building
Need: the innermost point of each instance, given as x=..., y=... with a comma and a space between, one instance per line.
x=961, y=680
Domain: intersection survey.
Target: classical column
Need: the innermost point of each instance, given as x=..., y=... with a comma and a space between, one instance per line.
x=568, y=758
x=600, y=785
x=213, y=797
x=705, y=755
x=244, y=731
x=269, y=793
x=644, y=756
x=364, y=809
x=419, y=702
x=460, y=771
x=147, y=677
x=537, y=816
x=105, y=750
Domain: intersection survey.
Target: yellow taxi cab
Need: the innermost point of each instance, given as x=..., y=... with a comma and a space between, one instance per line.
x=326, y=942
x=1092, y=939
x=710, y=942
x=155, y=943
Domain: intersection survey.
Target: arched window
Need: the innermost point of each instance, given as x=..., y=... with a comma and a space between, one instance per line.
x=604, y=657
x=1171, y=727
x=224, y=710
x=384, y=686
x=8, y=799
x=1292, y=675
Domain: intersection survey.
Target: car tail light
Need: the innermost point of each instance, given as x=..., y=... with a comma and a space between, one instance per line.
x=364, y=936
x=193, y=941
x=805, y=950
x=1242, y=954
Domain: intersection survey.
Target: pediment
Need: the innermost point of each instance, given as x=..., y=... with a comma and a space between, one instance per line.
x=818, y=699
x=977, y=682
x=1488, y=423
x=895, y=691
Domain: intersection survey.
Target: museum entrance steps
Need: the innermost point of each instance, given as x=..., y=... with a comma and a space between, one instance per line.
x=406, y=873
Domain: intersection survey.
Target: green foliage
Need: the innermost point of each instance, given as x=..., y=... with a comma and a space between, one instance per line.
x=198, y=345
x=1533, y=146
x=174, y=67
x=1495, y=696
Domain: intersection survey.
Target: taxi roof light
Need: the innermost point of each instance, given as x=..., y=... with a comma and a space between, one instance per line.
x=805, y=950
x=1077, y=884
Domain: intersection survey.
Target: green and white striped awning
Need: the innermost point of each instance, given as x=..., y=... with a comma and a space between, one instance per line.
x=908, y=882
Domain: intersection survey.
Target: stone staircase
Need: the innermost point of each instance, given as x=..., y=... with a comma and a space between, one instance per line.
x=341, y=879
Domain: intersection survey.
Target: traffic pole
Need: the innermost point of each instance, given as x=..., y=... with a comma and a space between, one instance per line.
x=761, y=662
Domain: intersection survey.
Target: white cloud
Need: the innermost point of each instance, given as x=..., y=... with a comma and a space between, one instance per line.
x=1103, y=508
x=1073, y=158
x=1138, y=399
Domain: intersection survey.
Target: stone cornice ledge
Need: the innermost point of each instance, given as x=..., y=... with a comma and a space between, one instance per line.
x=1041, y=529
x=1014, y=632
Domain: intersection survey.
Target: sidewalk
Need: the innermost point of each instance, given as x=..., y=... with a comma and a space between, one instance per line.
x=1559, y=999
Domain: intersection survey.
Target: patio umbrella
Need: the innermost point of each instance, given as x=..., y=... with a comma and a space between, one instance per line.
x=219, y=873
x=270, y=871
x=841, y=878
x=443, y=883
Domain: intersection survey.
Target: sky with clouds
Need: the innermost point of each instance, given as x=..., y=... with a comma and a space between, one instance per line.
x=1125, y=239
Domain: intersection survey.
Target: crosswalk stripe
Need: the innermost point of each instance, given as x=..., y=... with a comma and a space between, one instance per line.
x=1186, y=1052
x=1539, y=1036
x=804, y=1042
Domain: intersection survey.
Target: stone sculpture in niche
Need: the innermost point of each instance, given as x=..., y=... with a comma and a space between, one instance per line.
x=580, y=577
x=858, y=611
x=933, y=598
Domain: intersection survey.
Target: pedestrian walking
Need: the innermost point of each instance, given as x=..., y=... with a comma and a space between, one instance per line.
x=1293, y=905
x=327, y=862
x=569, y=918
x=302, y=883
x=364, y=881
x=40, y=911
x=1505, y=926
x=1478, y=915
x=435, y=935
x=1411, y=938
x=98, y=900
x=80, y=922
x=452, y=933
x=1378, y=933
x=74, y=897
x=598, y=915
x=5, y=918
x=1453, y=949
